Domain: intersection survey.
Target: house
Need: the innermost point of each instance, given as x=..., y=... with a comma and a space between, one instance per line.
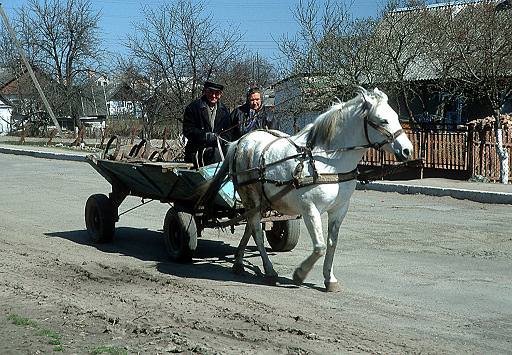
x=122, y=100
x=16, y=88
x=299, y=99
x=5, y=115
x=425, y=82
x=441, y=98
x=101, y=99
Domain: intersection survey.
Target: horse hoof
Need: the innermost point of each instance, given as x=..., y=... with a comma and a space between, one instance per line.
x=238, y=269
x=297, y=280
x=332, y=287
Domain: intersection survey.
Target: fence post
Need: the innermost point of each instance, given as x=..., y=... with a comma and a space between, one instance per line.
x=132, y=135
x=164, y=138
x=470, y=146
x=420, y=138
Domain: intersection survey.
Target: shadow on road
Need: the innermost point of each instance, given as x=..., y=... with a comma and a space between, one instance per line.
x=213, y=259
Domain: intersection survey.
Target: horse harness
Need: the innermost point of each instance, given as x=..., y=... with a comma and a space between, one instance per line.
x=305, y=155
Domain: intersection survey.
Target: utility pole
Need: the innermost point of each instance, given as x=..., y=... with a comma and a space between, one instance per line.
x=29, y=68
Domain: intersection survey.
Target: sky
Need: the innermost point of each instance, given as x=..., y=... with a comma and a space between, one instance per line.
x=260, y=21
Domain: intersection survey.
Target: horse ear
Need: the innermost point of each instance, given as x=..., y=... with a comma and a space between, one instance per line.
x=380, y=94
x=366, y=99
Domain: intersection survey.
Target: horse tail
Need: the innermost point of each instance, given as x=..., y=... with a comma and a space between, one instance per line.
x=208, y=190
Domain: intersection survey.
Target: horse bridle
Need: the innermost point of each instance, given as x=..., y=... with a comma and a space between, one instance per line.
x=390, y=137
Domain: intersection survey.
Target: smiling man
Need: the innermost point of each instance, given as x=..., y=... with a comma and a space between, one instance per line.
x=207, y=126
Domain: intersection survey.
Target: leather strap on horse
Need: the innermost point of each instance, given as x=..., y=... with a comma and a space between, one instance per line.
x=298, y=181
x=327, y=178
x=390, y=137
x=306, y=154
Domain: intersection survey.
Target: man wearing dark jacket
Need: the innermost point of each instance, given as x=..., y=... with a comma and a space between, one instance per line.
x=251, y=115
x=207, y=126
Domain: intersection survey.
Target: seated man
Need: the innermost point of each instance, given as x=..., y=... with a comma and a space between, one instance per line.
x=251, y=115
x=206, y=125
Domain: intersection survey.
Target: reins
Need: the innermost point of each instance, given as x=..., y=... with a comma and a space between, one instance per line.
x=255, y=117
x=305, y=154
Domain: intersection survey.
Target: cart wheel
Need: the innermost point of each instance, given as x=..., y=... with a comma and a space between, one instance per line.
x=180, y=234
x=99, y=218
x=284, y=235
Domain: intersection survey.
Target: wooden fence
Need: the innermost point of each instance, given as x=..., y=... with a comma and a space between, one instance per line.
x=463, y=153
x=483, y=158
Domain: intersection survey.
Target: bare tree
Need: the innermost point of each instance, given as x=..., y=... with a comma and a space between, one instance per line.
x=19, y=89
x=399, y=57
x=8, y=57
x=239, y=75
x=330, y=43
x=61, y=39
x=177, y=47
x=327, y=57
x=475, y=57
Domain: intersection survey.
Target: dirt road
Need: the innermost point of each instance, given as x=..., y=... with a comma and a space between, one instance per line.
x=420, y=275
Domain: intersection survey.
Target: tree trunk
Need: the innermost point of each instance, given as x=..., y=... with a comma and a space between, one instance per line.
x=410, y=115
x=502, y=152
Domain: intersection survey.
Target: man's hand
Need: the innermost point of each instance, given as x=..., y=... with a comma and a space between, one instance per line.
x=211, y=138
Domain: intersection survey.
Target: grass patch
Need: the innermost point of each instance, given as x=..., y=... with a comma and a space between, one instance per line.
x=54, y=338
x=111, y=350
x=21, y=321
x=50, y=334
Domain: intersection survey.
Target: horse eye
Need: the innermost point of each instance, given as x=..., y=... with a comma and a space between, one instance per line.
x=384, y=121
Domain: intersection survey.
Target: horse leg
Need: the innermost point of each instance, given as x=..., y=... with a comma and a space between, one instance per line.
x=238, y=266
x=335, y=217
x=313, y=223
x=270, y=274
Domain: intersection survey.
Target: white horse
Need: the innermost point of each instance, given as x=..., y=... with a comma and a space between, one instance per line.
x=309, y=173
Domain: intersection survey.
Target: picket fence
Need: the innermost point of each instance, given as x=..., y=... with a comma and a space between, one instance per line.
x=468, y=153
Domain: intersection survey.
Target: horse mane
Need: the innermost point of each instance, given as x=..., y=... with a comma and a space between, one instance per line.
x=323, y=129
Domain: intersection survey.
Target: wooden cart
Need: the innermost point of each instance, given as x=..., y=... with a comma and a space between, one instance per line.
x=175, y=183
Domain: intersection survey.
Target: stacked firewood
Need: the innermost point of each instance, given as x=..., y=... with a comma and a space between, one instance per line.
x=487, y=123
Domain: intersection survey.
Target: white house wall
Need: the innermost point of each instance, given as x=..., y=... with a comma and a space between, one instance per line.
x=5, y=119
x=122, y=107
x=288, y=96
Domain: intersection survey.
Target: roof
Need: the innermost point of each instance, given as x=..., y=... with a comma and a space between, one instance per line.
x=460, y=4
x=426, y=67
x=93, y=102
x=5, y=101
x=6, y=75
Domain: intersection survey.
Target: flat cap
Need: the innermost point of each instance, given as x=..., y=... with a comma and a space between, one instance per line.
x=213, y=86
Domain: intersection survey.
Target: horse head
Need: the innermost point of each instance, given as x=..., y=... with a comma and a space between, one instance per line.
x=382, y=127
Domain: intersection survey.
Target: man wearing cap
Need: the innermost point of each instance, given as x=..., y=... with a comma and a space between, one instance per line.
x=207, y=126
